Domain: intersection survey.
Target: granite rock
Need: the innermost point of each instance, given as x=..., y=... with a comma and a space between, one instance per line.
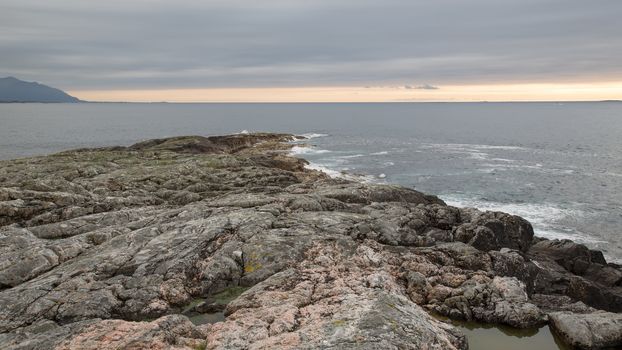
x=115, y=247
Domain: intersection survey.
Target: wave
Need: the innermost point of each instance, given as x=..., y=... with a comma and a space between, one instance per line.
x=492, y=167
x=341, y=174
x=360, y=155
x=544, y=217
x=353, y=156
x=312, y=135
x=467, y=146
x=474, y=151
x=606, y=173
x=478, y=155
x=298, y=150
x=513, y=166
x=506, y=148
x=503, y=160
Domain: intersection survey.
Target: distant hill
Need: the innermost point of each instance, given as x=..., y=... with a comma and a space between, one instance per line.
x=15, y=90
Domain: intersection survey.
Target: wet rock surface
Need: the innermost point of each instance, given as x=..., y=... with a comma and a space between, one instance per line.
x=117, y=247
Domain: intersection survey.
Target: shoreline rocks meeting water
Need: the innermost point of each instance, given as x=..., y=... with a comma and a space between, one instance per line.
x=227, y=242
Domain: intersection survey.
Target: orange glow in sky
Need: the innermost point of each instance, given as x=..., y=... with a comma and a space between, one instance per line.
x=450, y=93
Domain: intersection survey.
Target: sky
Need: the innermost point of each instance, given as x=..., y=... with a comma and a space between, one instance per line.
x=320, y=50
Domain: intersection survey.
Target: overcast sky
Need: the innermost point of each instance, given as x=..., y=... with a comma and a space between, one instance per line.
x=141, y=44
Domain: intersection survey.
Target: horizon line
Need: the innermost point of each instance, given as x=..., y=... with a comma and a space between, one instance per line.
x=310, y=102
x=342, y=102
x=532, y=92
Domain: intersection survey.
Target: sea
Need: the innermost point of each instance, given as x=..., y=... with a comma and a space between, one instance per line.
x=559, y=165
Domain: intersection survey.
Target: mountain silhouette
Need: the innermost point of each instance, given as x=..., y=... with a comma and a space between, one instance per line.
x=15, y=90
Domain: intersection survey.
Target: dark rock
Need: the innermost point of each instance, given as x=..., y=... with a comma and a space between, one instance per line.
x=566, y=268
x=495, y=230
x=598, y=330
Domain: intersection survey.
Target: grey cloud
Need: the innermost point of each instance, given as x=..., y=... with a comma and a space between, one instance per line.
x=421, y=87
x=77, y=44
x=427, y=87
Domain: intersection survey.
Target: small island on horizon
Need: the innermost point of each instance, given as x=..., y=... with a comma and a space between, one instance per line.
x=13, y=90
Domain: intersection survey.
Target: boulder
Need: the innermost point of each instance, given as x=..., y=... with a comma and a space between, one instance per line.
x=597, y=330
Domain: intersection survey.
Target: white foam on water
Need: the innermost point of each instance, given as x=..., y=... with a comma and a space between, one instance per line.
x=325, y=170
x=379, y=153
x=473, y=151
x=469, y=147
x=298, y=150
x=329, y=169
x=544, y=217
x=312, y=135
x=244, y=132
x=507, y=148
x=506, y=166
x=478, y=155
x=578, y=238
x=453, y=148
x=486, y=170
x=503, y=160
x=353, y=156
x=341, y=174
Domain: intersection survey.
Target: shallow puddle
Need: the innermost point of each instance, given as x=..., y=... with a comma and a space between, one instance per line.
x=196, y=309
x=480, y=336
x=495, y=337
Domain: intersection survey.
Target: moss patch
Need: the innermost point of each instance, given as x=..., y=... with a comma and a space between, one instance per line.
x=252, y=263
x=339, y=323
x=191, y=305
x=201, y=346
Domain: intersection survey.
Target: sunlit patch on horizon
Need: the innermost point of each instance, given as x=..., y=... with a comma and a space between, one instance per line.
x=592, y=91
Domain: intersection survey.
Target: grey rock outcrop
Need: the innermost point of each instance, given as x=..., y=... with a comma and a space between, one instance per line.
x=115, y=247
x=597, y=330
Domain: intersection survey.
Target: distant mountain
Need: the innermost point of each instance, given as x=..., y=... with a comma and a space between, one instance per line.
x=15, y=90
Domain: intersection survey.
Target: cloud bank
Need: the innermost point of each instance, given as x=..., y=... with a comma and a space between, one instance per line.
x=140, y=44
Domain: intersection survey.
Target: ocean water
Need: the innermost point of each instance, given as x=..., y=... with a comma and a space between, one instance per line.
x=559, y=165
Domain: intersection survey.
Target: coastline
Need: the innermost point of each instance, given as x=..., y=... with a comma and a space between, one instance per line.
x=96, y=240
x=552, y=215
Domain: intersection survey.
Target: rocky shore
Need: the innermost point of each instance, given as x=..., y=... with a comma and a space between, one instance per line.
x=229, y=243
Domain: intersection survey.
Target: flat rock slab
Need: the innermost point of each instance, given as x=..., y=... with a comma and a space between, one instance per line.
x=598, y=330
